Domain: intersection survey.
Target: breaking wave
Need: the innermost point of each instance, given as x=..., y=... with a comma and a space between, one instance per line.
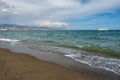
x=109, y=64
x=12, y=41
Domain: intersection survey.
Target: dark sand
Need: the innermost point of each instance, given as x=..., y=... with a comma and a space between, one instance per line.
x=25, y=67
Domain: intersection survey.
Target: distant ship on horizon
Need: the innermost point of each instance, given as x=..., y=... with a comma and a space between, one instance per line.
x=103, y=28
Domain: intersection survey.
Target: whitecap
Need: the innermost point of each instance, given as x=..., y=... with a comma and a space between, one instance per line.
x=109, y=64
x=12, y=41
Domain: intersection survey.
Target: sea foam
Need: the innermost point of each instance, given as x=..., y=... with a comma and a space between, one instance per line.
x=12, y=41
x=109, y=64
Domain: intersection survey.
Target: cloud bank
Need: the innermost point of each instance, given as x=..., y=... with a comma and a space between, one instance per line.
x=55, y=12
x=50, y=24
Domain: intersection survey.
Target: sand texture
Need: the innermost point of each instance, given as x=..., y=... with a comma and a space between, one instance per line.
x=14, y=66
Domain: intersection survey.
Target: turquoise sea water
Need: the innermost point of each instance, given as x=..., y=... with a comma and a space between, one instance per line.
x=107, y=39
x=60, y=41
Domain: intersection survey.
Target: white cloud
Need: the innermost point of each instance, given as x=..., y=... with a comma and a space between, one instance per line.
x=58, y=10
x=46, y=23
x=4, y=10
x=15, y=13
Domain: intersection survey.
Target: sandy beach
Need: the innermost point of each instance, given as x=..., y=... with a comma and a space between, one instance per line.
x=59, y=40
x=15, y=66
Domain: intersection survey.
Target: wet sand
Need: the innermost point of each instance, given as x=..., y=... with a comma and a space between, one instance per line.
x=14, y=66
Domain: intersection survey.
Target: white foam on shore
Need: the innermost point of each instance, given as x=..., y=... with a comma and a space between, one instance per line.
x=12, y=41
x=109, y=64
x=9, y=40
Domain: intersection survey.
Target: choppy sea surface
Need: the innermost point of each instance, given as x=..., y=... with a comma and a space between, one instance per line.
x=57, y=40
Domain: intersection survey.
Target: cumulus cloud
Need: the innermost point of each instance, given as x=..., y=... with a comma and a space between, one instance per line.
x=15, y=13
x=58, y=10
x=47, y=23
x=4, y=10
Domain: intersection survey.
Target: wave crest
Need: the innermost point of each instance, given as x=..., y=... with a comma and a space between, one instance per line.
x=109, y=64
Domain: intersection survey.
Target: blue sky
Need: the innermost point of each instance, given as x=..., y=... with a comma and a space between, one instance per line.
x=110, y=20
x=71, y=14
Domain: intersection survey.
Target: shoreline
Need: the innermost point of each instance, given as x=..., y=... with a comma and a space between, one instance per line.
x=48, y=56
x=26, y=67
